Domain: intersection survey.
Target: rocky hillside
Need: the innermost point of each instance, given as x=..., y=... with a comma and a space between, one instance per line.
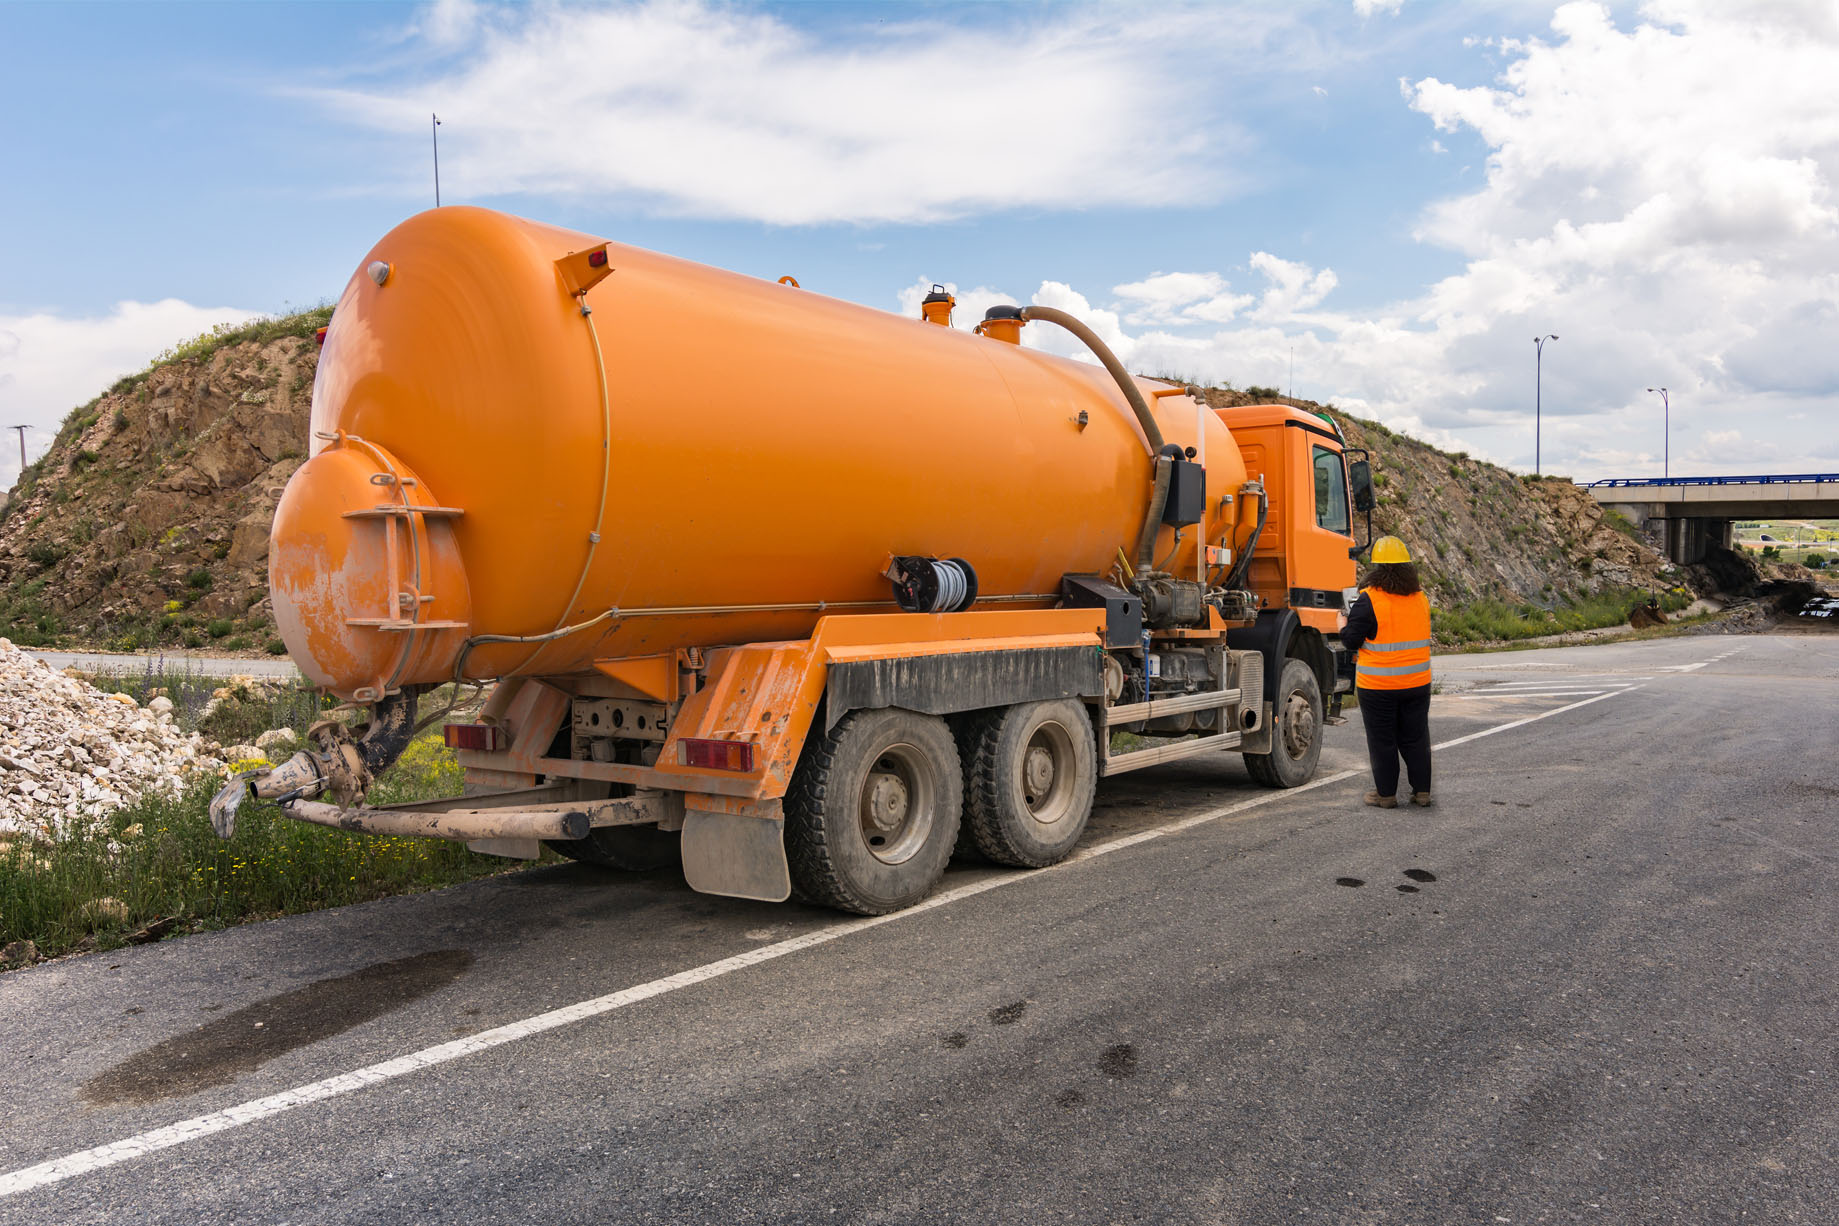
x=146, y=523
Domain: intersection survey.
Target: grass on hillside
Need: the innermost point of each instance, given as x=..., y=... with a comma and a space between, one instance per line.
x=1486, y=621
x=199, y=348
x=158, y=863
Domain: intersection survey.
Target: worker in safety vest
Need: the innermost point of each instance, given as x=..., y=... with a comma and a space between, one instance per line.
x=1389, y=629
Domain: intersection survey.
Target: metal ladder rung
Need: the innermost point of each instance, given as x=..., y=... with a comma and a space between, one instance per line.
x=1137, y=759
x=1207, y=700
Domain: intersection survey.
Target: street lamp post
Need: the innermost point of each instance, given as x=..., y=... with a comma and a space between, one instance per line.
x=1538, y=360
x=1666, y=432
x=22, y=446
x=434, y=131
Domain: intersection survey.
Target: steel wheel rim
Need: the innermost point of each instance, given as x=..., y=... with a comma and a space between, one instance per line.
x=898, y=803
x=1298, y=726
x=1049, y=773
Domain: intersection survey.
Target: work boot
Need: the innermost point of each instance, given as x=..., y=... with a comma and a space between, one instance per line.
x=1381, y=802
x=1421, y=799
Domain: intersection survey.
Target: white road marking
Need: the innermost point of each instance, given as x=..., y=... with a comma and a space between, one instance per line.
x=1585, y=679
x=1492, y=693
x=1516, y=664
x=1684, y=668
x=141, y=1144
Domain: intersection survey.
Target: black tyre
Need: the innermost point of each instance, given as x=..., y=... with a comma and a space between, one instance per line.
x=632, y=849
x=1296, y=732
x=873, y=811
x=1029, y=775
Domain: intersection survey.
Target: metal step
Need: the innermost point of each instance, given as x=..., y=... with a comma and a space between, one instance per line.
x=1155, y=708
x=1117, y=764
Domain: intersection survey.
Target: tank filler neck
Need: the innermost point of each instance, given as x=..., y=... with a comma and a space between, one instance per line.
x=1002, y=323
x=936, y=307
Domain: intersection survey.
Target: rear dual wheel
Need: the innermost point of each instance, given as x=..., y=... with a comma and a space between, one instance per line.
x=1030, y=772
x=873, y=811
x=877, y=804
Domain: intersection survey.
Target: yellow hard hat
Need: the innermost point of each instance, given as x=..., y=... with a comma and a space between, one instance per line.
x=1390, y=549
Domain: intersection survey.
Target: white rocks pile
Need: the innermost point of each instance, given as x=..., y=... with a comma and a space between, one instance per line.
x=70, y=753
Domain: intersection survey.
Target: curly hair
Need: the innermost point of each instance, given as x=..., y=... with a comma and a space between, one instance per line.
x=1398, y=578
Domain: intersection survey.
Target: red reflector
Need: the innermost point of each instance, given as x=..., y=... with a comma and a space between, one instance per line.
x=718, y=755
x=319, y=336
x=487, y=738
x=597, y=259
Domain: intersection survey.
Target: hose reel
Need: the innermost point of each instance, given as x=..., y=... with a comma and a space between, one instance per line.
x=932, y=585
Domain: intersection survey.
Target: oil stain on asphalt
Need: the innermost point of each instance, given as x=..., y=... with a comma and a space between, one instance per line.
x=1118, y=1061
x=220, y=1050
x=1008, y=1015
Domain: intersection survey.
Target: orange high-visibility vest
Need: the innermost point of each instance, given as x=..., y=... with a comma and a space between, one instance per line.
x=1397, y=657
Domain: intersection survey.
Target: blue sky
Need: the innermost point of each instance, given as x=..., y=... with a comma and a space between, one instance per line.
x=1401, y=193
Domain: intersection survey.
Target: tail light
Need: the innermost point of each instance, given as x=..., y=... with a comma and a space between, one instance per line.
x=718, y=755
x=485, y=738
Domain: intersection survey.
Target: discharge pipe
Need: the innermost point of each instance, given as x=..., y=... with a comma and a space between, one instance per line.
x=1158, y=501
x=1235, y=579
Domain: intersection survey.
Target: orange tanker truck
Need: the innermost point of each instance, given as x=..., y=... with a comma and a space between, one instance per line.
x=805, y=593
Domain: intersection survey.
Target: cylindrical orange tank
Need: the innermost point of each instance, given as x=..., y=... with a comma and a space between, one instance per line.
x=749, y=454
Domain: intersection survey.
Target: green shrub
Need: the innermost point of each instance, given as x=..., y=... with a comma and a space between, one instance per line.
x=160, y=858
x=275, y=647
x=199, y=579
x=44, y=553
x=218, y=627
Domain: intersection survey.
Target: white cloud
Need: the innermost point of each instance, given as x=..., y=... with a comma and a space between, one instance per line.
x=1661, y=196
x=1182, y=297
x=697, y=109
x=1294, y=287
x=1366, y=8
x=50, y=364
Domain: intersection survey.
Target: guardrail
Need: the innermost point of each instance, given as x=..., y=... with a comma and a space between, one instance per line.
x=1769, y=479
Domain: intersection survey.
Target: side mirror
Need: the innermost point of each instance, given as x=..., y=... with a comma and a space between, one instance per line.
x=1360, y=477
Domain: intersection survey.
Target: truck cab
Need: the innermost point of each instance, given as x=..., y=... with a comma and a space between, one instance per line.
x=1302, y=566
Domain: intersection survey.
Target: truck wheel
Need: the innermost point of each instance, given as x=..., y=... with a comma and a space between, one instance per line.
x=632, y=849
x=873, y=811
x=1029, y=775
x=1296, y=735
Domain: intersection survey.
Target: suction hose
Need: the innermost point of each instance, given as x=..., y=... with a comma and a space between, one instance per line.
x=1152, y=520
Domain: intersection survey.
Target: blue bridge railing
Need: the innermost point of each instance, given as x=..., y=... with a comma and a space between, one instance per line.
x=1767, y=479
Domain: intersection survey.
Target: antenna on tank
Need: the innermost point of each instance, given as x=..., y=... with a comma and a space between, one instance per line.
x=434, y=130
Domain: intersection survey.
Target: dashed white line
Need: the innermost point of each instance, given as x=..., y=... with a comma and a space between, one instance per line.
x=141, y=1144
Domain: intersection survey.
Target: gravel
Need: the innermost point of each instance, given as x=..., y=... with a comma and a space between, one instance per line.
x=70, y=754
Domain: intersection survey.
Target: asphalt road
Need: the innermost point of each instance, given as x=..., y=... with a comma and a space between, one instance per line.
x=1617, y=1002
x=168, y=662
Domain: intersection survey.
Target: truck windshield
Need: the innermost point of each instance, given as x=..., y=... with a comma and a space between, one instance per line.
x=1330, y=491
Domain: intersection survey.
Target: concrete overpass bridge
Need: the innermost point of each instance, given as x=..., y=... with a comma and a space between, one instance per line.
x=1696, y=512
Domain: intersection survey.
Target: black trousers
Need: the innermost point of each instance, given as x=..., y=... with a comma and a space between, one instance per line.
x=1397, y=726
